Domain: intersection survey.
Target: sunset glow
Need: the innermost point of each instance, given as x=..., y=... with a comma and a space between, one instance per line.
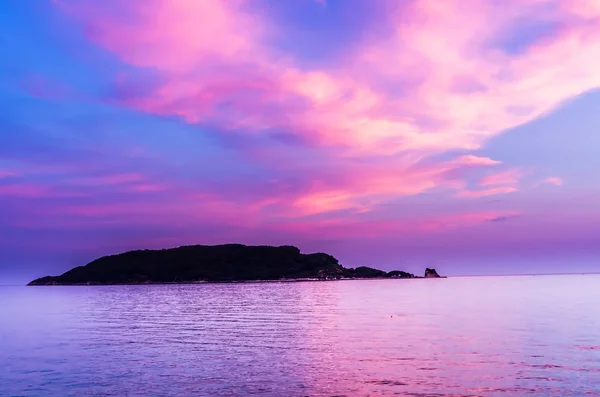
x=382, y=132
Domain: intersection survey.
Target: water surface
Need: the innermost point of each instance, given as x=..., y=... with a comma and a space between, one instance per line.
x=475, y=336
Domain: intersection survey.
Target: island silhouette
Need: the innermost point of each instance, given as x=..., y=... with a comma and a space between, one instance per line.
x=216, y=263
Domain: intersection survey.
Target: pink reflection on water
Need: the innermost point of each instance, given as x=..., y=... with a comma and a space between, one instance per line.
x=477, y=336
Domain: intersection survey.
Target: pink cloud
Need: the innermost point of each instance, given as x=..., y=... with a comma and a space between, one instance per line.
x=173, y=28
x=472, y=88
x=364, y=186
x=471, y=160
x=449, y=42
x=553, y=181
x=486, y=192
x=345, y=228
x=509, y=177
x=459, y=87
x=184, y=212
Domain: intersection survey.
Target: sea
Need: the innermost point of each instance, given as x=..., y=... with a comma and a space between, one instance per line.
x=459, y=336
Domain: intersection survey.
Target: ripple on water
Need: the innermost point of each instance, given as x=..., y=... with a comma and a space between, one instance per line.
x=378, y=338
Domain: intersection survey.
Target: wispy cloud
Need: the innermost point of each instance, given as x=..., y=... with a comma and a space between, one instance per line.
x=552, y=181
x=486, y=192
x=471, y=160
x=509, y=177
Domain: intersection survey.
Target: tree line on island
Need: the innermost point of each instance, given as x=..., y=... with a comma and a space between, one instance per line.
x=218, y=263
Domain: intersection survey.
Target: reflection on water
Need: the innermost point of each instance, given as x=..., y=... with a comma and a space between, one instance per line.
x=489, y=336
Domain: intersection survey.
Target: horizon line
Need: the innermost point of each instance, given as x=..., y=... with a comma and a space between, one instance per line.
x=458, y=275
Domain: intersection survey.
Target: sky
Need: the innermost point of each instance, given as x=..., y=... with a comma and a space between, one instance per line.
x=395, y=134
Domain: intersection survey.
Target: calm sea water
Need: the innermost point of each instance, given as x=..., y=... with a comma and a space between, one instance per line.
x=487, y=336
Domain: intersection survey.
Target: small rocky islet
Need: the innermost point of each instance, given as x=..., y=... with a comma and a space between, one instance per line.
x=217, y=263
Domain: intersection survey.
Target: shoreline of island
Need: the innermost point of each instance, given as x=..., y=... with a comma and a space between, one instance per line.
x=287, y=280
x=228, y=263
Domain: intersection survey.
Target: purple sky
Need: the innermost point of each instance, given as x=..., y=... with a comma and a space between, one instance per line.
x=463, y=135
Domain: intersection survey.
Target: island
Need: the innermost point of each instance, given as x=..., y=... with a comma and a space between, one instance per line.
x=217, y=263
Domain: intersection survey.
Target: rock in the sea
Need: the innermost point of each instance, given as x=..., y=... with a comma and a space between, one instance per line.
x=431, y=273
